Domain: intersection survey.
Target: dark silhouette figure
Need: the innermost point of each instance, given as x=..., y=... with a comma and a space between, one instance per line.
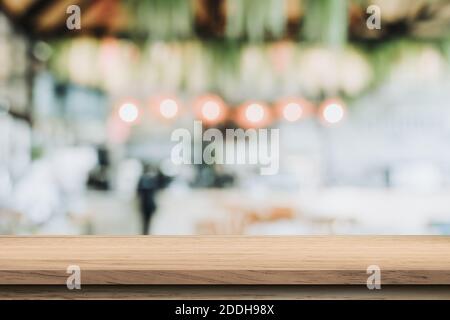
x=150, y=182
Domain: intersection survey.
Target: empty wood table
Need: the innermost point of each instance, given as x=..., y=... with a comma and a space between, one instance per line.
x=219, y=267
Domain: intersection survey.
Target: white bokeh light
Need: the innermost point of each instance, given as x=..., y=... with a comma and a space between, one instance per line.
x=292, y=111
x=333, y=113
x=255, y=113
x=211, y=110
x=128, y=112
x=168, y=108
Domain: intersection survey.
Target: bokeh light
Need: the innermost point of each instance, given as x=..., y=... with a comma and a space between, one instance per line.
x=292, y=112
x=128, y=112
x=332, y=111
x=293, y=109
x=165, y=107
x=210, y=109
x=253, y=115
x=168, y=108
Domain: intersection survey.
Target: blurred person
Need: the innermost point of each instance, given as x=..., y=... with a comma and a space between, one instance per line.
x=99, y=177
x=151, y=181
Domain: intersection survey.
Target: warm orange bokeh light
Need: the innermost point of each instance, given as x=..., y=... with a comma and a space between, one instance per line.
x=165, y=107
x=332, y=111
x=294, y=109
x=253, y=115
x=210, y=109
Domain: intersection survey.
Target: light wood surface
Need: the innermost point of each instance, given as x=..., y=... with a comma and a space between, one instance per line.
x=404, y=260
x=224, y=292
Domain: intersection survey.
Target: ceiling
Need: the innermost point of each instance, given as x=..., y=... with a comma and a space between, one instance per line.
x=46, y=18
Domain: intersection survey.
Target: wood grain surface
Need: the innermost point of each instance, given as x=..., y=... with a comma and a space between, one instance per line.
x=231, y=260
x=224, y=292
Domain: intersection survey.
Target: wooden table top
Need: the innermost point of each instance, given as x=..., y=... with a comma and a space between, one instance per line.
x=237, y=260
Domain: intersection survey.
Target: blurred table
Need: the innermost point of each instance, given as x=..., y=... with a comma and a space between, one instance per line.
x=321, y=211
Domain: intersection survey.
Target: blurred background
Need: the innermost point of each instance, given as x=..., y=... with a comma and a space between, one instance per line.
x=86, y=116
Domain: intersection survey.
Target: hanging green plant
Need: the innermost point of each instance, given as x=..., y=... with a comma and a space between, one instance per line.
x=255, y=19
x=162, y=19
x=326, y=22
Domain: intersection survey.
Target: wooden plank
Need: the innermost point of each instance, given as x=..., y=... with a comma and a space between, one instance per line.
x=404, y=260
x=206, y=292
